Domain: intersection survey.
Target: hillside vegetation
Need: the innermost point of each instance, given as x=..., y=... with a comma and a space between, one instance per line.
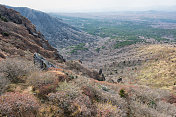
x=160, y=70
x=64, y=92
x=117, y=77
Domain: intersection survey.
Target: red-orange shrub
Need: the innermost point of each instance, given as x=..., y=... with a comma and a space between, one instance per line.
x=43, y=83
x=91, y=93
x=171, y=99
x=85, y=107
x=18, y=105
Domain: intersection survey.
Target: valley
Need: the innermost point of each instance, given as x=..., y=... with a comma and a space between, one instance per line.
x=124, y=30
x=133, y=47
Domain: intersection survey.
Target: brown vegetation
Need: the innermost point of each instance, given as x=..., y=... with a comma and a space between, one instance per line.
x=18, y=104
x=83, y=96
x=15, y=70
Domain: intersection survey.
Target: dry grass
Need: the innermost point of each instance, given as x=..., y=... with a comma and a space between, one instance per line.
x=108, y=110
x=15, y=69
x=159, y=71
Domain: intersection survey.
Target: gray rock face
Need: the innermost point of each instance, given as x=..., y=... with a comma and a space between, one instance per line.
x=57, y=32
x=42, y=62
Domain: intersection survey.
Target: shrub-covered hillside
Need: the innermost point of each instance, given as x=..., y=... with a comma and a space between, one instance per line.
x=27, y=91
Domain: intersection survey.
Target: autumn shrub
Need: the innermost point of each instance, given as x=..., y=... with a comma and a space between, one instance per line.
x=85, y=107
x=47, y=110
x=94, y=90
x=61, y=75
x=148, y=95
x=64, y=97
x=18, y=105
x=145, y=101
x=171, y=99
x=43, y=83
x=108, y=110
x=14, y=69
x=64, y=100
x=92, y=93
x=73, y=104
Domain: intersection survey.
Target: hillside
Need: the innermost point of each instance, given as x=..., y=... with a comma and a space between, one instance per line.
x=70, y=88
x=58, y=33
x=70, y=91
x=145, y=64
x=18, y=36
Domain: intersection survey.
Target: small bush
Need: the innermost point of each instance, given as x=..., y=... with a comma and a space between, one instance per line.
x=43, y=83
x=91, y=93
x=73, y=104
x=65, y=97
x=5, y=34
x=84, y=107
x=3, y=18
x=15, y=69
x=64, y=100
x=97, y=50
x=171, y=99
x=18, y=105
x=123, y=93
x=79, y=47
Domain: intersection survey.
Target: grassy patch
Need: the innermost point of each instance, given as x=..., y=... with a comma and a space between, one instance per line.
x=80, y=47
x=123, y=44
x=3, y=18
x=5, y=34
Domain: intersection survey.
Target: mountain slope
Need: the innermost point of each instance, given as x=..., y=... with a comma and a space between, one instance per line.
x=72, y=90
x=58, y=33
x=18, y=35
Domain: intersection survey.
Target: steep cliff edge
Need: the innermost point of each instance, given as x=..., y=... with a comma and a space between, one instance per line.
x=56, y=31
x=18, y=36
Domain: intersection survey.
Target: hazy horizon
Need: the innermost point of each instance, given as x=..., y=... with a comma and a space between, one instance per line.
x=70, y=6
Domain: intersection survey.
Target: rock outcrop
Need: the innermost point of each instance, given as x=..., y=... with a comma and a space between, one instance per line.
x=42, y=62
x=19, y=36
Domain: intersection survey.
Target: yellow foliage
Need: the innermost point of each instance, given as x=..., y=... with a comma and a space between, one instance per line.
x=57, y=73
x=159, y=71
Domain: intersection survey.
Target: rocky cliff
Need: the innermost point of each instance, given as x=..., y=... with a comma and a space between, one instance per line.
x=58, y=33
x=19, y=36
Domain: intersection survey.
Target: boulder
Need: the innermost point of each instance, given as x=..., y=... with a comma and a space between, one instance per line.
x=110, y=80
x=119, y=80
x=100, y=71
x=42, y=62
